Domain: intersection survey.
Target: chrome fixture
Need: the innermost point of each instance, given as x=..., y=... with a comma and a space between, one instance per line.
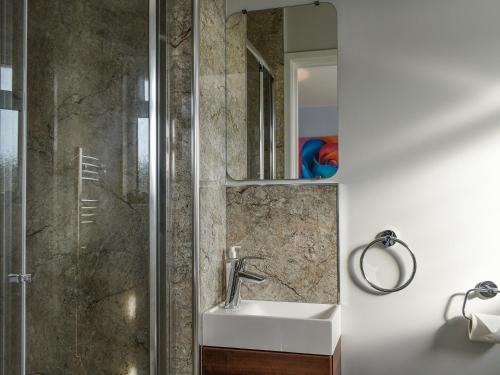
x=16, y=278
x=388, y=238
x=89, y=169
x=484, y=290
x=237, y=275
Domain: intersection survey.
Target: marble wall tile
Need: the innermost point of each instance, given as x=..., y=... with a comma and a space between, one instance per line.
x=213, y=151
x=212, y=91
x=295, y=229
x=180, y=57
x=213, y=243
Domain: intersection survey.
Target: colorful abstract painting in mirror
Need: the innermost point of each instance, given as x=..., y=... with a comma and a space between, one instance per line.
x=318, y=156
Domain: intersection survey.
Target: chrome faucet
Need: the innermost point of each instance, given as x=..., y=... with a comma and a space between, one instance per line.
x=237, y=275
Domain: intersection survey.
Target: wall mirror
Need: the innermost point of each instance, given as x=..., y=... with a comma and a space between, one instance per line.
x=281, y=93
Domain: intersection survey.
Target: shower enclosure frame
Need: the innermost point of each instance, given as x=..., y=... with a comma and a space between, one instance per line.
x=158, y=189
x=154, y=286
x=264, y=68
x=24, y=142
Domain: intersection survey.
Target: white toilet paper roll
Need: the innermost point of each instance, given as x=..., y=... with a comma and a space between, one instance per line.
x=485, y=328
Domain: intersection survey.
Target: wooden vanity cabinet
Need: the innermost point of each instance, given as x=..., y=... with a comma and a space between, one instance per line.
x=228, y=361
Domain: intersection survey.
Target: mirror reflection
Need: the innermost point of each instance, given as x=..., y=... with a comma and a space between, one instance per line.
x=281, y=93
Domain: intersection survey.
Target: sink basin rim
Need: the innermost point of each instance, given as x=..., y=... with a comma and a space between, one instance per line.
x=327, y=312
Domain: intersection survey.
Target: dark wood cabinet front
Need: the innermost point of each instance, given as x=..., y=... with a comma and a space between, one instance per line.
x=228, y=361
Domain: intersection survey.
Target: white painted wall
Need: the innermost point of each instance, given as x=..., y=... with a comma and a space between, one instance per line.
x=318, y=121
x=420, y=152
x=419, y=101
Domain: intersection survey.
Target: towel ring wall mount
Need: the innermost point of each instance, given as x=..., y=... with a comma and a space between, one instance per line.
x=388, y=238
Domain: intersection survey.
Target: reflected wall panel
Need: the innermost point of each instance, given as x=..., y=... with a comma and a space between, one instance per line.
x=265, y=32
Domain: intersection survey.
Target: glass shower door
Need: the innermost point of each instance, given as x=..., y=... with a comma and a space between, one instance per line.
x=89, y=192
x=12, y=228
x=78, y=188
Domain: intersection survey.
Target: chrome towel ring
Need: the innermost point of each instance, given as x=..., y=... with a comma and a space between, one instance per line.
x=485, y=289
x=388, y=238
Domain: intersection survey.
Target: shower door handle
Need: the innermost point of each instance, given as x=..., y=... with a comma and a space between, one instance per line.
x=15, y=278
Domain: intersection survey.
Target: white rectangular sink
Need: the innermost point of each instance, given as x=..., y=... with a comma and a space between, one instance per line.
x=308, y=328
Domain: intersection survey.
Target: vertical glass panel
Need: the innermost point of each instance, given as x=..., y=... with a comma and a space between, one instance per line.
x=11, y=109
x=88, y=187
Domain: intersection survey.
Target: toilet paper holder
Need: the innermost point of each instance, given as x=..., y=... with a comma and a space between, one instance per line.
x=485, y=290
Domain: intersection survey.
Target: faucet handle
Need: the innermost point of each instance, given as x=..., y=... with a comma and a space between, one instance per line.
x=243, y=260
x=237, y=275
x=252, y=257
